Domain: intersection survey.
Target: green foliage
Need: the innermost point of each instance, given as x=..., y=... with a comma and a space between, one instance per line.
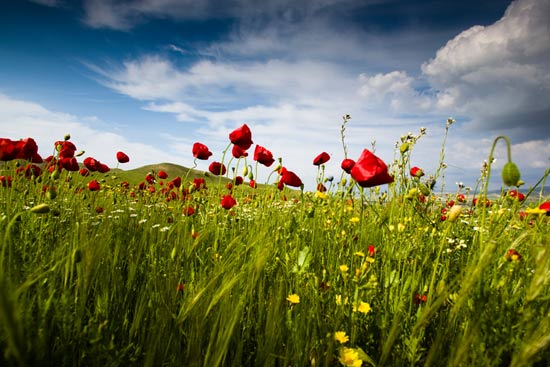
x=123, y=276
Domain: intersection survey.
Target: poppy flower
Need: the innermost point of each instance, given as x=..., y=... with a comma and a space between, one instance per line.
x=93, y=185
x=321, y=159
x=242, y=137
x=217, y=168
x=189, y=211
x=150, y=178
x=176, y=182
x=163, y=175
x=238, y=180
x=8, y=149
x=122, y=157
x=347, y=164
x=369, y=171
x=228, y=202
x=371, y=250
x=66, y=149
x=252, y=184
x=91, y=164
x=515, y=194
x=84, y=172
x=263, y=156
x=69, y=163
x=201, y=151
x=5, y=181
x=289, y=178
x=461, y=198
x=26, y=148
x=238, y=152
x=512, y=255
x=417, y=172
x=418, y=299
x=545, y=206
x=103, y=168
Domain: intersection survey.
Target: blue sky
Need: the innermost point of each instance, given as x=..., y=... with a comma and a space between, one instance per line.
x=151, y=77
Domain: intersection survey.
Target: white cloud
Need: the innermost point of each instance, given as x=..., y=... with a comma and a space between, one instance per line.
x=499, y=75
x=21, y=119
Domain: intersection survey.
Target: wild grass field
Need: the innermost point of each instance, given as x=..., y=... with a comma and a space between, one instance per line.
x=170, y=267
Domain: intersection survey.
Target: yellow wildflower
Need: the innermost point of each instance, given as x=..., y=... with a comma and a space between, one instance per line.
x=363, y=307
x=293, y=298
x=338, y=299
x=535, y=211
x=344, y=268
x=320, y=195
x=341, y=337
x=354, y=219
x=350, y=357
x=360, y=254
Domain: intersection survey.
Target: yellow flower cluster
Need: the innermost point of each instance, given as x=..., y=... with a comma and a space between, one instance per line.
x=293, y=298
x=350, y=357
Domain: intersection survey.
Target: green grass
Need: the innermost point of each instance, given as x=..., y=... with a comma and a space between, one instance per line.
x=111, y=278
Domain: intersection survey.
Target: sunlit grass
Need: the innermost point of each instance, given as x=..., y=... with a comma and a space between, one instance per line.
x=391, y=276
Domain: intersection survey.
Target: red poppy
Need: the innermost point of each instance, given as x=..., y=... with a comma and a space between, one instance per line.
x=8, y=149
x=30, y=170
x=150, y=178
x=545, y=206
x=176, y=182
x=91, y=164
x=122, y=157
x=417, y=172
x=238, y=180
x=347, y=164
x=369, y=170
x=289, y=178
x=217, y=168
x=228, y=202
x=84, y=172
x=199, y=182
x=252, y=184
x=66, y=149
x=512, y=255
x=188, y=211
x=461, y=198
x=515, y=194
x=263, y=156
x=418, y=299
x=103, y=168
x=201, y=151
x=26, y=149
x=238, y=152
x=5, y=181
x=163, y=175
x=69, y=163
x=371, y=250
x=321, y=187
x=241, y=137
x=321, y=159
x=93, y=185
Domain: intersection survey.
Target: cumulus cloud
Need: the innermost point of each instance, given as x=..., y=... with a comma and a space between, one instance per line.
x=499, y=75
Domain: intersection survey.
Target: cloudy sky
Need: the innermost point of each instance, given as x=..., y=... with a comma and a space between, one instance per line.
x=151, y=77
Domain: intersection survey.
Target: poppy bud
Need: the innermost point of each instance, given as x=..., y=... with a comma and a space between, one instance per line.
x=510, y=174
x=424, y=189
x=55, y=174
x=40, y=209
x=67, y=137
x=404, y=148
x=51, y=194
x=454, y=213
x=245, y=170
x=250, y=176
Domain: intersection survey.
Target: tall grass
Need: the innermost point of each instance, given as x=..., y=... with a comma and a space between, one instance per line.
x=106, y=278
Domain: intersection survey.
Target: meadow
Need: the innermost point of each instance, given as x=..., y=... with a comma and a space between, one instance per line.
x=171, y=267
